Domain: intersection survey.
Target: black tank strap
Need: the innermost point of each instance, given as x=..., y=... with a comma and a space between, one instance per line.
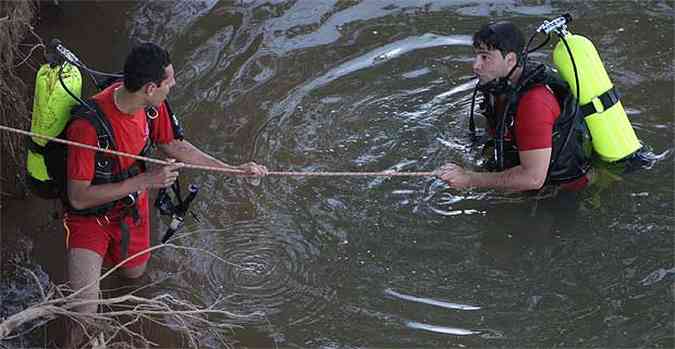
x=602, y=102
x=36, y=148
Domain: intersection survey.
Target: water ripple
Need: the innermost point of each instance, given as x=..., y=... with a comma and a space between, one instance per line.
x=271, y=272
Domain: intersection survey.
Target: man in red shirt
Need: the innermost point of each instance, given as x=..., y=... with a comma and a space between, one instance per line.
x=499, y=67
x=96, y=236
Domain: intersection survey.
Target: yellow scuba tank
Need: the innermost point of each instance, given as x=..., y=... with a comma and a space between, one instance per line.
x=51, y=111
x=612, y=134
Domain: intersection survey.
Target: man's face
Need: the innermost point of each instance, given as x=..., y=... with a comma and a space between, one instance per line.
x=490, y=64
x=157, y=93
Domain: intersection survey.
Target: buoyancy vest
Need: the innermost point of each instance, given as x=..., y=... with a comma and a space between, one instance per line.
x=571, y=145
x=107, y=169
x=106, y=166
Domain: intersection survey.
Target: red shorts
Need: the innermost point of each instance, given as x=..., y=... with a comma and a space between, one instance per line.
x=104, y=236
x=577, y=184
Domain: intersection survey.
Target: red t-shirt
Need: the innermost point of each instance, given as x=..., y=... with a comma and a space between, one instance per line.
x=130, y=132
x=537, y=111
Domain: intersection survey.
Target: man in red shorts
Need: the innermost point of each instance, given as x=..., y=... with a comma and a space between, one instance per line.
x=539, y=138
x=107, y=218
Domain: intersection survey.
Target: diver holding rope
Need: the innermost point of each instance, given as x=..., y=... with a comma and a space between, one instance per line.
x=542, y=126
x=107, y=214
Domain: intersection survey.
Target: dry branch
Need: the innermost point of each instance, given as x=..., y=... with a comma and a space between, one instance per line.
x=164, y=309
x=16, y=19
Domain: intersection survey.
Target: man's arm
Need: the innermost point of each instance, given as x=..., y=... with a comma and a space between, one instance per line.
x=186, y=152
x=529, y=175
x=82, y=194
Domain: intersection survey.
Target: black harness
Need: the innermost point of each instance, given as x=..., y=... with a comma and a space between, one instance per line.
x=571, y=150
x=107, y=167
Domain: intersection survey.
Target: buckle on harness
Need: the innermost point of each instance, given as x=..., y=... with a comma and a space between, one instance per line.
x=106, y=221
x=597, y=103
x=129, y=200
x=151, y=113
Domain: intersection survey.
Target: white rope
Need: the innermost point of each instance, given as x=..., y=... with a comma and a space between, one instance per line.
x=233, y=172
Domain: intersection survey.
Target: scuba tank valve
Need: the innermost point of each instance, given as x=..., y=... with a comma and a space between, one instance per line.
x=559, y=25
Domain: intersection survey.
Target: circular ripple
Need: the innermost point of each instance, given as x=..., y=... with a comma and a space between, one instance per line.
x=272, y=270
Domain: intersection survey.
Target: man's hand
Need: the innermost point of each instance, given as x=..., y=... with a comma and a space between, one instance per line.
x=160, y=176
x=252, y=169
x=187, y=153
x=82, y=194
x=454, y=175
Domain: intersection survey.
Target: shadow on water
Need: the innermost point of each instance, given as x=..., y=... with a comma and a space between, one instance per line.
x=405, y=262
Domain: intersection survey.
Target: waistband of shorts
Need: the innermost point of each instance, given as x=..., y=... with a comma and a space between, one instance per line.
x=114, y=218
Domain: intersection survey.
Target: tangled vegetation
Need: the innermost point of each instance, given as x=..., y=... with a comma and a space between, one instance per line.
x=18, y=42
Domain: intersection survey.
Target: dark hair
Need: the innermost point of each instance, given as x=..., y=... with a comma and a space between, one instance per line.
x=145, y=63
x=502, y=36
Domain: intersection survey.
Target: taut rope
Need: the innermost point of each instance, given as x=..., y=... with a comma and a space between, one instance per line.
x=233, y=172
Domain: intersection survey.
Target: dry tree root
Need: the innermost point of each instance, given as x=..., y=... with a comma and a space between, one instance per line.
x=123, y=312
x=15, y=24
x=18, y=44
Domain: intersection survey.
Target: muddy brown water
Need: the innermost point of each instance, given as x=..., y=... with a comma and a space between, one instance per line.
x=402, y=262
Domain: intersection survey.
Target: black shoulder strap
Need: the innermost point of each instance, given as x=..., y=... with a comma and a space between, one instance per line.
x=175, y=125
x=93, y=113
x=535, y=74
x=104, y=164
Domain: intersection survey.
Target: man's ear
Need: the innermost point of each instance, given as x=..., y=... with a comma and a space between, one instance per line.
x=149, y=88
x=511, y=59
